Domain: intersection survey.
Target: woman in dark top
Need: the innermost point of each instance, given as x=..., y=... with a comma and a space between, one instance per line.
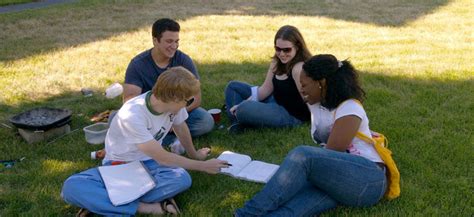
x=278, y=101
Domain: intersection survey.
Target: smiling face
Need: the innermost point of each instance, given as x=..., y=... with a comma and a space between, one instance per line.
x=168, y=43
x=310, y=89
x=285, y=50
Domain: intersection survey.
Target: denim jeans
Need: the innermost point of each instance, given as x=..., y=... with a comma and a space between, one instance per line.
x=266, y=113
x=87, y=190
x=312, y=180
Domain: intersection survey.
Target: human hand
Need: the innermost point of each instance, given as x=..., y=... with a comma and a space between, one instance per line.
x=202, y=153
x=213, y=166
x=233, y=109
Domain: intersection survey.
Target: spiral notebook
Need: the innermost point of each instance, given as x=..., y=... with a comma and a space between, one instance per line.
x=126, y=182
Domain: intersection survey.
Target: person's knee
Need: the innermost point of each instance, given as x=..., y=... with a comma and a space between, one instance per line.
x=207, y=124
x=185, y=180
x=70, y=189
x=231, y=85
x=200, y=123
x=245, y=109
x=300, y=153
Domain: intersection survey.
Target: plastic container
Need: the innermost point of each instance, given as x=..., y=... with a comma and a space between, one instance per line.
x=95, y=133
x=113, y=90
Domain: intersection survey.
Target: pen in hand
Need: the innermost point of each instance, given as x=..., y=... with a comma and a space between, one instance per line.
x=228, y=164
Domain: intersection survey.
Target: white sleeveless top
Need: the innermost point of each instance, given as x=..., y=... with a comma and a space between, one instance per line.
x=322, y=121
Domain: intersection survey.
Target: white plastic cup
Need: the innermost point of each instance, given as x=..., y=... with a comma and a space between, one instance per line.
x=113, y=91
x=93, y=155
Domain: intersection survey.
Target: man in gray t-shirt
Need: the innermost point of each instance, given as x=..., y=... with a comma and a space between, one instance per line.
x=145, y=68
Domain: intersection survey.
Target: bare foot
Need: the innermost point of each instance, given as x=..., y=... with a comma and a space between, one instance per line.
x=170, y=206
x=171, y=209
x=150, y=208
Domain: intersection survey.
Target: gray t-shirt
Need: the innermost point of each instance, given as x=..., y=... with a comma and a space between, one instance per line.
x=143, y=72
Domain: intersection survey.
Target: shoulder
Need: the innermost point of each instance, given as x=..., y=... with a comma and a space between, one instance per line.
x=296, y=70
x=134, y=106
x=143, y=56
x=182, y=59
x=181, y=56
x=297, y=67
x=350, y=107
x=139, y=61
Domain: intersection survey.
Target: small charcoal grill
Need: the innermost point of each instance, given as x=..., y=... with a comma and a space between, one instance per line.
x=42, y=119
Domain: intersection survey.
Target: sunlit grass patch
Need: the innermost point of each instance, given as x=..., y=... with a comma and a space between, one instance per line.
x=415, y=60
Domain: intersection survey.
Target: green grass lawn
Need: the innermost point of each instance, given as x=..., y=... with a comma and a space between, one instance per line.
x=415, y=58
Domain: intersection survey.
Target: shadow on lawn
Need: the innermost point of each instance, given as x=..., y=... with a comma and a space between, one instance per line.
x=95, y=21
x=419, y=116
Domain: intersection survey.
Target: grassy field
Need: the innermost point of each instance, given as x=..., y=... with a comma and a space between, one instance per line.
x=12, y=2
x=416, y=63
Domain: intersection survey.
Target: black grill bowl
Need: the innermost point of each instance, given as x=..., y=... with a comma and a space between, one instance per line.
x=42, y=118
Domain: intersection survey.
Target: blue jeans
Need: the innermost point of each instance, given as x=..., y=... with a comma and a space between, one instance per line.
x=312, y=180
x=87, y=190
x=266, y=113
x=199, y=123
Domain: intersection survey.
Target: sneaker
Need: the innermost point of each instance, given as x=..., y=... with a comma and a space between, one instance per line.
x=235, y=128
x=177, y=148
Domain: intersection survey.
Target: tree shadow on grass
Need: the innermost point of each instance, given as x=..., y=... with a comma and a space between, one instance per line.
x=428, y=123
x=93, y=21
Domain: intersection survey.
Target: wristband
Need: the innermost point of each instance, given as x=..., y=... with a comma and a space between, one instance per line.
x=254, y=96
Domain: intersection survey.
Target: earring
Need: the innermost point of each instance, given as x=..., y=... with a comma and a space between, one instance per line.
x=319, y=86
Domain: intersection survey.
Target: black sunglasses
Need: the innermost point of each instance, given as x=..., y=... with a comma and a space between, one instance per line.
x=189, y=101
x=285, y=49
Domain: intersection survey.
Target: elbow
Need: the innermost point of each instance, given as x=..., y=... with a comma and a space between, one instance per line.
x=337, y=147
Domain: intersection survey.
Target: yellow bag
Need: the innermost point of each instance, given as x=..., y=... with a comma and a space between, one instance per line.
x=393, y=175
x=380, y=143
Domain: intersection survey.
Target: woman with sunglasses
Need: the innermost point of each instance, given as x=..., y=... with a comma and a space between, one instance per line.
x=345, y=170
x=278, y=101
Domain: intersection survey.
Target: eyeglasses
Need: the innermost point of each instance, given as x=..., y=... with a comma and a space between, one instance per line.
x=284, y=49
x=189, y=101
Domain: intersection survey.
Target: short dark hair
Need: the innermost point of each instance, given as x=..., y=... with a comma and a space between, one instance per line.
x=341, y=79
x=162, y=25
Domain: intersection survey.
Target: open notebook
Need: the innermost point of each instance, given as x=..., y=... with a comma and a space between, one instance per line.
x=244, y=168
x=126, y=182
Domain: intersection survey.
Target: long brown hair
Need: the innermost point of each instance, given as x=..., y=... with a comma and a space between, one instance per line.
x=293, y=35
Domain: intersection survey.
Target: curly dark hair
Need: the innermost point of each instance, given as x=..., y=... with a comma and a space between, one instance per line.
x=341, y=80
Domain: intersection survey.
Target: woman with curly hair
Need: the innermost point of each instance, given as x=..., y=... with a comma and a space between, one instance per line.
x=345, y=170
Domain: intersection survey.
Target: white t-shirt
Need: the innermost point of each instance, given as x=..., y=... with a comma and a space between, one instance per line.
x=322, y=121
x=136, y=124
